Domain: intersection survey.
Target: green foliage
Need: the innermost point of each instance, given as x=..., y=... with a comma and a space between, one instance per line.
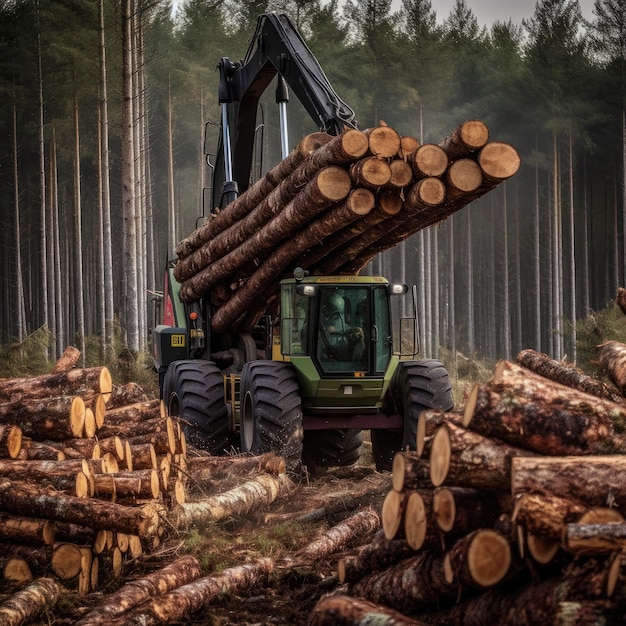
x=609, y=324
x=28, y=358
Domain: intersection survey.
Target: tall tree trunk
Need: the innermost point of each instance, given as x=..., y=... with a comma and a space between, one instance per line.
x=42, y=184
x=537, y=262
x=131, y=308
x=52, y=262
x=101, y=270
x=471, y=343
x=78, y=240
x=21, y=330
x=106, y=194
x=572, y=254
x=59, y=302
x=171, y=205
x=506, y=313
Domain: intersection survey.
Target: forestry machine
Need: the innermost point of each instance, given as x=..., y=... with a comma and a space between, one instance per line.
x=331, y=359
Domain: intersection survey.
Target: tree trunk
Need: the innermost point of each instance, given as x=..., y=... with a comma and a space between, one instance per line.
x=52, y=418
x=545, y=417
x=26, y=530
x=612, y=358
x=594, y=539
x=26, y=605
x=357, y=527
x=543, y=365
x=410, y=586
x=465, y=139
x=329, y=186
x=85, y=382
x=377, y=555
x=180, y=603
x=260, y=491
x=175, y=574
x=464, y=458
x=20, y=498
x=340, y=610
x=594, y=481
x=204, y=470
x=254, y=195
x=478, y=560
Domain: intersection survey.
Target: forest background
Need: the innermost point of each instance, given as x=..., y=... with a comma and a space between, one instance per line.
x=102, y=111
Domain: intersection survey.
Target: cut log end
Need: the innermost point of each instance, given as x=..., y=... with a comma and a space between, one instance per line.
x=444, y=509
x=17, y=570
x=499, y=160
x=474, y=134
x=415, y=522
x=420, y=438
x=429, y=160
x=489, y=558
x=334, y=183
x=77, y=417
x=440, y=456
x=541, y=549
x=470, y=406
x=392, y=513
x=384, y=141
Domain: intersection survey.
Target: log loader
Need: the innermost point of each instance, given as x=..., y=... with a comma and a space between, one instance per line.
x=333, y=355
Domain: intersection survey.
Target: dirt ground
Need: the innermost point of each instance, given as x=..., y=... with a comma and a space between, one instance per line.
x=315, y=504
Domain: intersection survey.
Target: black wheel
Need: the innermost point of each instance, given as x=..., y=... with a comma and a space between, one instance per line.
x=271, y=411
x=417, y=385
x=194, y=391
x=333, y=447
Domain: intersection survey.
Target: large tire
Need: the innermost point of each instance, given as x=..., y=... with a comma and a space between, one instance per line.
x=333, y=447
x=194, y=391
x=271, y=411
x=417, y=385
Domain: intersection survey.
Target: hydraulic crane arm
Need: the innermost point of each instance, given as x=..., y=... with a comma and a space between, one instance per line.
x=276, y=48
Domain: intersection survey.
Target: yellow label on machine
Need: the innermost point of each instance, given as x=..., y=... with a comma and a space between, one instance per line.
x=177, y=341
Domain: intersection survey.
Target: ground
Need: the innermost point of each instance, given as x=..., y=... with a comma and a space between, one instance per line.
x=278, y=531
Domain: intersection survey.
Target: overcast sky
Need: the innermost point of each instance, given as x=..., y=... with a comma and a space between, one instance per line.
x=488, y=11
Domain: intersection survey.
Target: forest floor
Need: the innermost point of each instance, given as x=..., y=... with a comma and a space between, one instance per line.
x=278, y=532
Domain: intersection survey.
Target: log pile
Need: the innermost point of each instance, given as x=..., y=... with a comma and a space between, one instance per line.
x=77, y=507
x=513, y=511
x=330, y=207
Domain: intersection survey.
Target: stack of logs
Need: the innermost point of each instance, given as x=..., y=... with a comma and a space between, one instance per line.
x=330, y=207
x=510, y=513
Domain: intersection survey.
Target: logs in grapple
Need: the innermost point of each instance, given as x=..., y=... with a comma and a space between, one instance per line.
x=300, y=213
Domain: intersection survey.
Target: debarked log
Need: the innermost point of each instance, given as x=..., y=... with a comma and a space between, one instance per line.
x=255, y=493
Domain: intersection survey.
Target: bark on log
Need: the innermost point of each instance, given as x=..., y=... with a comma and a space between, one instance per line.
x=375, y=556
x=409, y=471
x=261, y=491
x=330, y=185
x=20, y=498
x=530, y=604
x=612, y=358
x=204, y=470
x=594, y=481
x=180, y=603
x=359, y=203
x=594, y=539
x=27, y=604
x=54, y=418
x=58, y=474
x=478, y=560
x=124, y=486
x=568, y=375
x=67, y=360
x=341, y=610
x=410, y=586
x=85, y=382
x=180, y=572
x=356, y=527
x=122, y=416
x=546, y=417
x=458, y=511
x=464, y=458
x=253, y=196
x=465, y=139
x=123, y=395
x=39, y=451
